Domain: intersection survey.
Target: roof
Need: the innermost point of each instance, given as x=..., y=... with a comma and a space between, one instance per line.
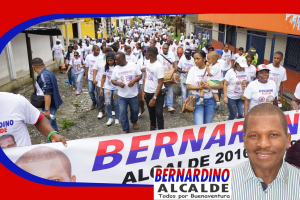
x=42, y=31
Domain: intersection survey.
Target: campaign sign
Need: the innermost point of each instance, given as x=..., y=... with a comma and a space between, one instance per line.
x=192, y=183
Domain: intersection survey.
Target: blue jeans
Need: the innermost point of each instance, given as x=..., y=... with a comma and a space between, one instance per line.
x=91, y=88
x=184, y=91
x=140, y=87
x=134, y=111
x=52, y=121
x=169, y=97
x=204, y=114
x=108, y=96
x=71, y=77
x=78, y=78
x=235, y=106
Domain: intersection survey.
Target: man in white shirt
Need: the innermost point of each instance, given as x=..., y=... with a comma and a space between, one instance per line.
x=227, y=57
x=87, y=49
x=153, y=82
x=125, y=76
x=167, y=59
x=278, y=73
x=296, y=100
x=90, y=63
x=58, y=54
x=186, y=62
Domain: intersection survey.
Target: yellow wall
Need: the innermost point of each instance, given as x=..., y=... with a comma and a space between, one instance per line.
x=87, y=28
x=104, y=27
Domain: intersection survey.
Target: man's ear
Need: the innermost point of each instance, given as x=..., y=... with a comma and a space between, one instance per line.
x=73, y=178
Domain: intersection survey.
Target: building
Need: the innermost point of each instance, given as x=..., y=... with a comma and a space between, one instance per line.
x=268, y=33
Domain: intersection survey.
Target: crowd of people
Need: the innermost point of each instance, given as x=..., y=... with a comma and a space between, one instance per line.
x=129, y=71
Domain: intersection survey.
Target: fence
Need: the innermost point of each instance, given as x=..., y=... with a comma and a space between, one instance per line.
x=265, y=47
x=210, y=37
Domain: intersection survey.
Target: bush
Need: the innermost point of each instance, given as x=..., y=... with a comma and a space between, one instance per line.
x=66, y=124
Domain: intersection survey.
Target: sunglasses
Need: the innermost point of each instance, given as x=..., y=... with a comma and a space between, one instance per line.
x=76, y=55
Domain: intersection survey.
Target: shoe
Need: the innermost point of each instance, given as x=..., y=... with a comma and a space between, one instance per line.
x=123, y=132
x=200, y=102
x=113, y=113
x=135, y=126
x=78, y=92
x=100, y=115
x=165, y=105
x=109, y=122
x=152, y=128
x=117, y=122
x=93, y=106
x=170, y=109
x=139, y=115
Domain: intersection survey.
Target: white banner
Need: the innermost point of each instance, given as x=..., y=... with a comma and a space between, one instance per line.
x=131, y=158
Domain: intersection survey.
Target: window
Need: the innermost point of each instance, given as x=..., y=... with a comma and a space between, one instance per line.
x=221, y=35
x=291, y=58
x=230, y=35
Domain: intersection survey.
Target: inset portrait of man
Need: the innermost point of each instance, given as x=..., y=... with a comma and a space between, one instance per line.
x=47, y=163
x=7, y=141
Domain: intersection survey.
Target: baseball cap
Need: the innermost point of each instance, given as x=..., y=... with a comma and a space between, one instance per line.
x=211, y=47
x=187, y=52
x=242, y=61
x=219, y=51
x=252, y=51
x=58, y=40
x=262, y=67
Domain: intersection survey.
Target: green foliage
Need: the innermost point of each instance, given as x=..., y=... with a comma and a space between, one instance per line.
x=137, y=19
x=77, y=104
x=66, y=124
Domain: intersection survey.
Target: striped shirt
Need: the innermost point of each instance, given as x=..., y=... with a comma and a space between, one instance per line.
x=246, y=185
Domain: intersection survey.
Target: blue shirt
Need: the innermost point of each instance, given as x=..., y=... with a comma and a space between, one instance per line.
x=48, y=84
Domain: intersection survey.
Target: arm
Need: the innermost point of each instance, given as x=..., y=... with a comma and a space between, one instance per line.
x=143, y=93
x=102, y=83
x=132, y=82
x=225, y=99
x=94, y=76
x=47, y=99
x=69, y=66
x=53, y=55
x=45, y=128
x=120, y=84
x=193, y=87
x=246, y=106
x=281, y=92
x=220, y=86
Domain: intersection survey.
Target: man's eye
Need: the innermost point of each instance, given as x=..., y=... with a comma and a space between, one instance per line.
x=254, y=136
x=273, y=135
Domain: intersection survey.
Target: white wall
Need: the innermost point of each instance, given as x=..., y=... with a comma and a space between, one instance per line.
x=40, y=46
x=215, y=34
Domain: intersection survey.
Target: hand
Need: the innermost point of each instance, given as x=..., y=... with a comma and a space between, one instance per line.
x=101, y=91
x=225, y=100
x=85, y=79
x=131, y=83
x=206, y=86
x=121, y=85
x=294, y=105
x=59, y=138
x=94, y=82
x=78, y=66
x=152, y=102
x=47, y=114
x=67, y=72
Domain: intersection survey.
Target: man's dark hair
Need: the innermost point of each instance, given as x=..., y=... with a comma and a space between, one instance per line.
x=153, y=40
x=292, y=155
x=114, y=48
x=37, y=62
x=127, y=47
x=279, y=53
x=95, y=47
x=266, y=109
x=241, y=49
x=121, y=54
x=152, y=50
x=166, y=44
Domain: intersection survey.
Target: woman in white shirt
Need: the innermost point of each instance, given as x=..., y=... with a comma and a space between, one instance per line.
x=110, y=90
x=235, y=82
x=203, y=113
x=78, y=67
x=70, y=72
x=262, y=90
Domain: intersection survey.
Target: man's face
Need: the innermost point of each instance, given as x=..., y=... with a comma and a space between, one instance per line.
x=87, y=43
x=241, y=52
x=48, y=169
x=57, y=43
x=8, y=143
x=277, y=59
x=188, y=57
x=165, y=49
x=226, y=47
x=128, y=52
x=266, y=142
x=104, y=43
x=249, y=61
x=96, y=51
x=152, y=43
x=179, y=52
x=117, y=59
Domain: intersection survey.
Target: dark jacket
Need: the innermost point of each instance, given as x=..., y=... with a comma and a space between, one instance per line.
x=48, y=83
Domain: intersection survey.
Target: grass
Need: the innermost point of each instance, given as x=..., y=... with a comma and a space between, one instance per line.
x=66, y=124
x=77, y=104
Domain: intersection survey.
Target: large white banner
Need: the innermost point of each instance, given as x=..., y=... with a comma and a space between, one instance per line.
x=131, y=158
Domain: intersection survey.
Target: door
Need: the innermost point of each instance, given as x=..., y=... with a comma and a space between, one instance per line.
x=75, y=30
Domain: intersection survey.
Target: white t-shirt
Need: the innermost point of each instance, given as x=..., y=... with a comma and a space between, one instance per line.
x=216, y=71
x=164, y=62
x=234, y=89
x=107, y=84
x=260, y=92
x=78, y=50
x=131, y=58
x=235, y=56
x=154, y=71
x=185, y=64
x=125, y=74
x=88, y=50
x=222, y=64
x=227, y=56
x=90, y=62
x=100, y=64
x=297, y=91
x=251, y=71
x=194, y=77
x=142, y=63
x=79, y=61
x=70, y=59
x=57, y=50
x=193, y=46
x=277, y=74
x=16, y=112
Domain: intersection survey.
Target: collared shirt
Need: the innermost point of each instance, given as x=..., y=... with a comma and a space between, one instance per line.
x=246, y=185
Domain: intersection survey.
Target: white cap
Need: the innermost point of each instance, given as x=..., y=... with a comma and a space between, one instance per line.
x=58, y=40
x=85, y=37
x=242, y=61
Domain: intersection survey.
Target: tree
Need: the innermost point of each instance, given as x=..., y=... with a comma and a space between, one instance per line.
x=179, y=24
